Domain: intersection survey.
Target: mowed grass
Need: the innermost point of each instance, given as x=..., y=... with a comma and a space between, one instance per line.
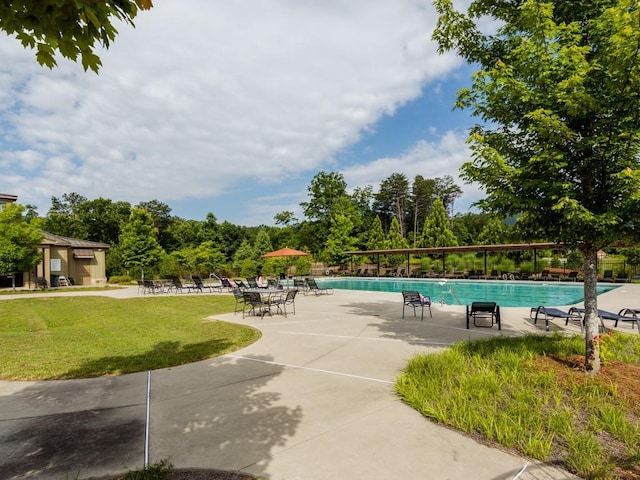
x=529, y=395
x=78, y=337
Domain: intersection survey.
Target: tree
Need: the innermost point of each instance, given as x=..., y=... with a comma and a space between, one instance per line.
x=423, y=193
x=138, y=246
x=162, y=220
x=558, y=93
x=63, y=218
x=285, y=218
x=395, y=240
x=436, y=232
x=448, y=191
x=376, y=240
x=69, y=28
x=325, y=190
x=340, y=239
x=204, y=259
x=19, y=240
x=244, y=252
x=392, y=200
x=103, y=219
x=495, y=232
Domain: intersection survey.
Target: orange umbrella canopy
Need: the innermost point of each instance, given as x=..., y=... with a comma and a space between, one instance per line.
x=285, y=252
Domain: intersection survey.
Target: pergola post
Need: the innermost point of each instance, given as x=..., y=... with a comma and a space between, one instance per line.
x=485, y=262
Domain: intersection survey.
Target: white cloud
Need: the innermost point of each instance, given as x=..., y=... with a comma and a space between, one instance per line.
x=429, y=159
x=204, y=96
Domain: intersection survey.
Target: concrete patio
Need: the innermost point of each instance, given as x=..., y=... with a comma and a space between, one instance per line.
x=312, y=399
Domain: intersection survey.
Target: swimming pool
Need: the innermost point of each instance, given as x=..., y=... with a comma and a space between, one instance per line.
x=461, y=292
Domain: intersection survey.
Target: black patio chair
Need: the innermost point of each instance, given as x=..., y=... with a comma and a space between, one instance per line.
x=239, y=297
x=283, y=300
x=256, y=304
x=484, y=311
x=413, y=299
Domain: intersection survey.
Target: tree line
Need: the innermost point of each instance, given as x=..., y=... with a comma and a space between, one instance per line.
x=148, y=237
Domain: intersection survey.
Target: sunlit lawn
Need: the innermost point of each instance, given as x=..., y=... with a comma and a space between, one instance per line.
x=77, y=337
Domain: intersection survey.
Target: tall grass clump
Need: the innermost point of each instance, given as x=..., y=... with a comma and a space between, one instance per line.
x=503, y=390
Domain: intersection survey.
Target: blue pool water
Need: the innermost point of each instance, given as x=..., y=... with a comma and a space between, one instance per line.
x=461, y=292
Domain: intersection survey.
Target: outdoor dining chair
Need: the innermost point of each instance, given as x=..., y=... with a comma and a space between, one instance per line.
x=486, y=311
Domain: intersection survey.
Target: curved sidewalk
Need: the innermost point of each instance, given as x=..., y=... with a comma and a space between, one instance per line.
x=312, y=399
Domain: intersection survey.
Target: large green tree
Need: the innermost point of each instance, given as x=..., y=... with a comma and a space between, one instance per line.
x=392, y=201
x=558, y=93
x=395, y=241
x=19, y=240
x=71, y=28
x=139, y=248
x=340, y=239
x=436, y=231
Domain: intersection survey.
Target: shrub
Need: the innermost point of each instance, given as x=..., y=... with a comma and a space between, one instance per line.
x=120, y=279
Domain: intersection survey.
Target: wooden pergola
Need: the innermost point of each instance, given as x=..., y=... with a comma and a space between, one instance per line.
x=462, y=249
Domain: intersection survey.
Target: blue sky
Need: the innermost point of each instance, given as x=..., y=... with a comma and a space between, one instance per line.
x=231, y=108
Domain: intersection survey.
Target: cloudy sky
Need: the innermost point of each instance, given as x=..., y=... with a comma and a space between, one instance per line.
x=233, y=107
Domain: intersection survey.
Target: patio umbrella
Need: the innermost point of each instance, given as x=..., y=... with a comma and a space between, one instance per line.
x=285, y=252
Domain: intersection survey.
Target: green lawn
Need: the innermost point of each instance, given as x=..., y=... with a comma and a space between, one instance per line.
x=78, y=337
x=529, y=395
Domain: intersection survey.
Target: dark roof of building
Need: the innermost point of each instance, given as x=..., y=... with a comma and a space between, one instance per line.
x=58, y=240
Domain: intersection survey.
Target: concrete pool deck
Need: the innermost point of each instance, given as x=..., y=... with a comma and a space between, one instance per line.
x=312, y=399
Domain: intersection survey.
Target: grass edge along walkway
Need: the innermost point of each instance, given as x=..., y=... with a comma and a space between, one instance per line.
x=529, y=395
x=69, y=337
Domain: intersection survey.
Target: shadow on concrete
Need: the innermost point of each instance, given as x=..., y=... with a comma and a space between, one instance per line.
x=220, y=414
x=55, y=430
x=215, y=414
x=412, y=329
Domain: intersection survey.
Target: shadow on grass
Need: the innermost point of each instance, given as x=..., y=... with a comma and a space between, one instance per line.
x=556, y=344
x=163, y=355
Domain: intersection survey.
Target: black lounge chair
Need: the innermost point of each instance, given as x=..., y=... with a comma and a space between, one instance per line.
x=621, y=278
x=312, y=286
x=625, y=315
x=484, y=311
x=300, y=284
x=571, y=277
x=413, y=299
x=199, y=285
x=607, y=276
x=630, y=315
x=550, y=312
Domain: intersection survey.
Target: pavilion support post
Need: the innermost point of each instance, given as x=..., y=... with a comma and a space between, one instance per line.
x=408, y=264
x=535, y=261
x=485, y=263
x=378, y=265
x=444, y=266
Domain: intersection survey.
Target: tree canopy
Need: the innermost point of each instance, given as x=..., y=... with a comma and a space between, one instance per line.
x=19, y=240
x=69, y=28
x=558, y=95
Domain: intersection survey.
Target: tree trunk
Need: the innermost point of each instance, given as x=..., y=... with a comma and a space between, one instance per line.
x=591, y=323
